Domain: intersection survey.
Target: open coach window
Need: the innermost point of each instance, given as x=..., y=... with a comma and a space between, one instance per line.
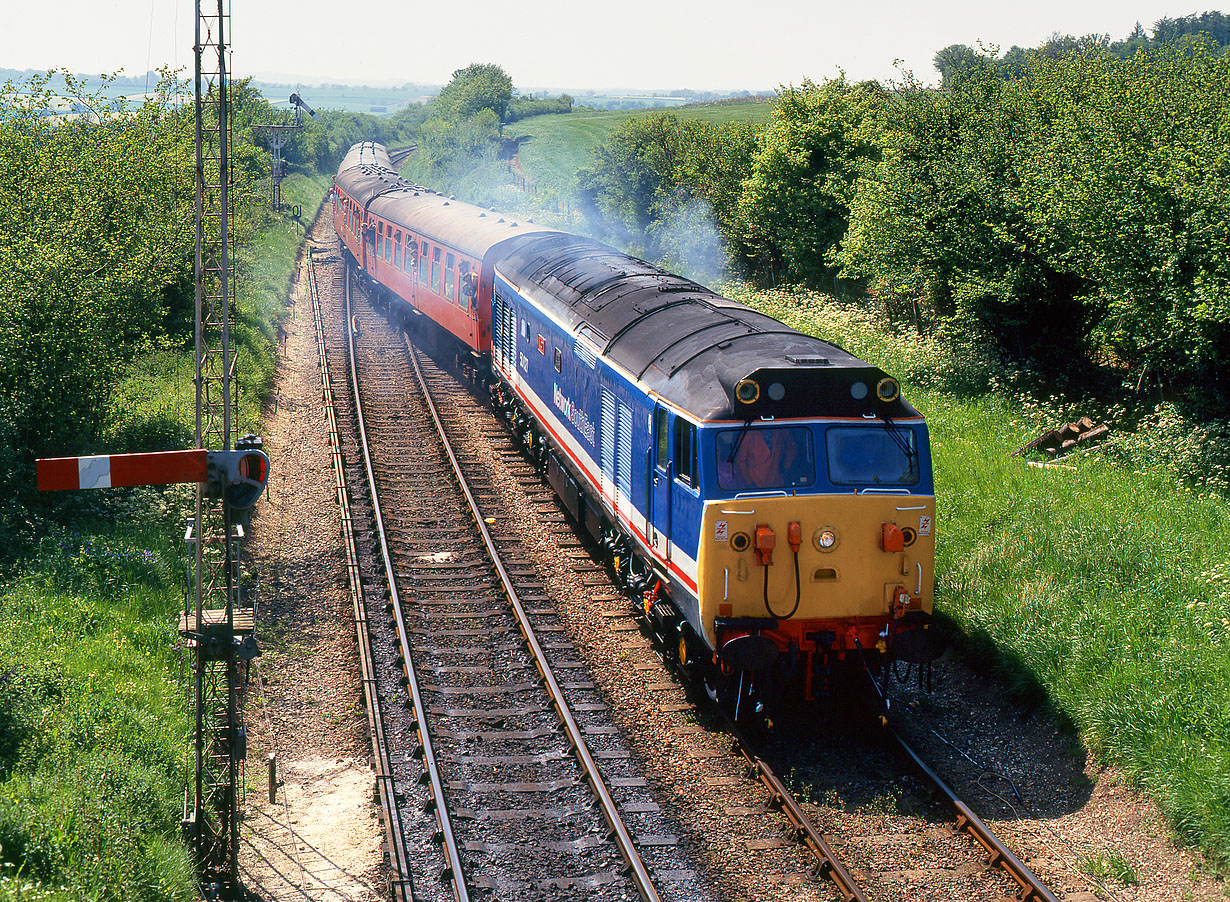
x=872, y=455
x=776, y=457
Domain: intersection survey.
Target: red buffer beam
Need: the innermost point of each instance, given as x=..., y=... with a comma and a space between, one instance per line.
x=115, y=470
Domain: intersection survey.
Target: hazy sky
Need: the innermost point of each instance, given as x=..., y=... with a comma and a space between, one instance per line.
x=719, y=44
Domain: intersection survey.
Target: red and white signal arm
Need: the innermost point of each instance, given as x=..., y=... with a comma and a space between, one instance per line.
x=109, y=471
x=238, y=476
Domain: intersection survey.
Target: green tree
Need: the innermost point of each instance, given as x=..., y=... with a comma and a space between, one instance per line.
x=795, y=203
x=1129, y=190
x=96, y=236
x=955, y=59
x=477, y=87
x=669, y=188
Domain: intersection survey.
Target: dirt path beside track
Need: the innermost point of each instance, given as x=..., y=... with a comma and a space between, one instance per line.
x=321, y=839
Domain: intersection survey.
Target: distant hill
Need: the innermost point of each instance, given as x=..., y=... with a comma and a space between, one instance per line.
x=388, y=100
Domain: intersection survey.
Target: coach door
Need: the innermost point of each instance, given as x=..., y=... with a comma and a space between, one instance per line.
x=659, y=526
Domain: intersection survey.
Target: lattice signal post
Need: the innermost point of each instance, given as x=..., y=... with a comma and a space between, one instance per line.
x=218, y=627
x=277, y=134
x=233, y=479
x=218, y=620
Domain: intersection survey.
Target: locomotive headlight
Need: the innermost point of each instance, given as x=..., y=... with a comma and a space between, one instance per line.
x=858, y=391
x=825, y=538
x=888, y=390
x=747, y=391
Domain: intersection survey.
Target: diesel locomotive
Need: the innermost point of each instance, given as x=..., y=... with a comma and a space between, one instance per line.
x=765, y=496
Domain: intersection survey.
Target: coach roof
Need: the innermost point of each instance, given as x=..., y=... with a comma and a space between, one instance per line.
x=383, y=192
x=682, y=341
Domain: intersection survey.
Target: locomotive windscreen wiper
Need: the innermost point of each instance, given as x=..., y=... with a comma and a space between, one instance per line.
x=734, y=447
x=900, y=436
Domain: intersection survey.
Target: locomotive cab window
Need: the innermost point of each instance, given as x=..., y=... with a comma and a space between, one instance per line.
x=777, y=457
x=872, y=455
x=661, y=438
x=685, y=451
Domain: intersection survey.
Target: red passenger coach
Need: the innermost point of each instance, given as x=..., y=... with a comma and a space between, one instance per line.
x=432, y=252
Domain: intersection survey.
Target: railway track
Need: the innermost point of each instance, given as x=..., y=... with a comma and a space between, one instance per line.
x=520, y=807
x=491, y=735
x=1029, y=888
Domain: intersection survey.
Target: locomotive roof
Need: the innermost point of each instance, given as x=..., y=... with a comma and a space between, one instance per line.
x=686, y=343
x=367, y=175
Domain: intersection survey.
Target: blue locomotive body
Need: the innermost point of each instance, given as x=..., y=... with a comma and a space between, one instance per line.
x=765, y=496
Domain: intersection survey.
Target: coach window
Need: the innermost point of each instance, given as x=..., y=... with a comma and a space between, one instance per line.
x=435, y=270
x=397, y=249
x=388, y=246
x=424, y=251
x=450, y=277
x=411, y=250
x=380, y=240
x=661, y=438
x=685, y=451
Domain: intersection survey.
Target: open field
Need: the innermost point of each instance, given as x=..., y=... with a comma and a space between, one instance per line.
x=553, y=148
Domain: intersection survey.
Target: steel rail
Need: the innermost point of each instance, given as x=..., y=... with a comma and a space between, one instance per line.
x=619, y=831
x=830, y=865
x=452, y=869
x=400, y=880
x=1032, y=888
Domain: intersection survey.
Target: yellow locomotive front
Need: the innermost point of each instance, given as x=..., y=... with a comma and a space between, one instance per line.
x=815, y=575
x=819, y=542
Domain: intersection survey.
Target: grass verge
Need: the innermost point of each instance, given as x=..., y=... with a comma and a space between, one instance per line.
x=1101, y=588
x=94, y=685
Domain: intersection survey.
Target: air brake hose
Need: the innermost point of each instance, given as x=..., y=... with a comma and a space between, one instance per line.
x=798, y=592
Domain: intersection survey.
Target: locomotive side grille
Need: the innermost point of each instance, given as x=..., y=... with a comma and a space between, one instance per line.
x=608, y=428
x=623, y=451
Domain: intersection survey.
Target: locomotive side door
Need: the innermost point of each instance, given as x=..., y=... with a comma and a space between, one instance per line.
x=658, y=527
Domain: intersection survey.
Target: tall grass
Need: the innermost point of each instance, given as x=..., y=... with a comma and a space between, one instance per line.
x=94, y=683
x=1101, y=589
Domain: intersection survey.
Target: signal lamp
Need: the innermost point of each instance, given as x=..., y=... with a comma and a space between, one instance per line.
x=747, y=391
x=888, y=390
